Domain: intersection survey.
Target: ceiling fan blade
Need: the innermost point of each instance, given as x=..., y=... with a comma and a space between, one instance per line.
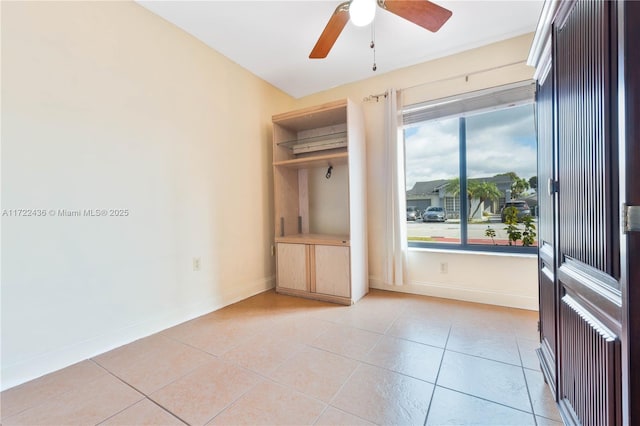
x=421, y=12
x=331, y=32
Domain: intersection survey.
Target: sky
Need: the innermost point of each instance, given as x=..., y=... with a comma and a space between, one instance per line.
x=497, y=142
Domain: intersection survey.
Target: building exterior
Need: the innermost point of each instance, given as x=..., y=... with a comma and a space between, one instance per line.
x=434, y=193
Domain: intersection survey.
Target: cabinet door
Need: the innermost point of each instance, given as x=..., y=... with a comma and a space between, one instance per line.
x=332, y=275
x=292, y=266
x=588, y=272
x=547, y=232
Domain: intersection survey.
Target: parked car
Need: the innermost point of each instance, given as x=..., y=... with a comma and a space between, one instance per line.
x=521, y=206
x=434, y=214
x=413, y=213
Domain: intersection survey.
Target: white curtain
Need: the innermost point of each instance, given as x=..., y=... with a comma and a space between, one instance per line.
x=395, y=202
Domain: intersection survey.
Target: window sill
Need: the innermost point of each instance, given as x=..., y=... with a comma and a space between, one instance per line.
x=465, y=251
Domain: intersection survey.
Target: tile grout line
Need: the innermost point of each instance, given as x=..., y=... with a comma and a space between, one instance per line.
x=168, y=383
x=175, y=339
x=526, y=383
x=486, y=359
x=168, y=411
x=189, y=345
x=360, y=364
x=365, y=362
x=395, y=319
x=415, y=341
x=435, y=385
x=487, y=400
x=145, y=396
x=234, y=402
x=31, y=407
x=416, y=320
x=264, y=378
x=326, y=404
x=311, y=344
x=358, y=361
x=533, y=370
x=260, y=375
x=355, y=328
x=550, y=419
x=149, y=397
x=397, y=372
x=330, y=403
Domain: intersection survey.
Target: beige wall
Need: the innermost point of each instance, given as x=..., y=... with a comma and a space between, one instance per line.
x=498, y=279
x=105, y=105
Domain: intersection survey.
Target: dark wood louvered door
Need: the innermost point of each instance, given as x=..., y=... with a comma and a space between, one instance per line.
x=629, y=19
x=590, y=313
x=589, y=225
x=547, y=228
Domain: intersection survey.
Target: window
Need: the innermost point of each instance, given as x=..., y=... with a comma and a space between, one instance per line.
x=474, y=158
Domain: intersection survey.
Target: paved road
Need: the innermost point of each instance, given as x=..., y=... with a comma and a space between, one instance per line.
x=450, y=231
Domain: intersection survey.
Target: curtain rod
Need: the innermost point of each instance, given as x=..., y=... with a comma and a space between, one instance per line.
x=467, y=74
x=377, y=97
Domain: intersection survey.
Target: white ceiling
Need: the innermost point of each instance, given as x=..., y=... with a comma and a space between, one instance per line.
x=273, y=39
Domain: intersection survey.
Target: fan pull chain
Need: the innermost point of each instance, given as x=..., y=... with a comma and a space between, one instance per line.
x=373, y=43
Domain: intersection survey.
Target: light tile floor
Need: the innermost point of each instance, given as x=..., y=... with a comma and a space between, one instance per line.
x=390, y=359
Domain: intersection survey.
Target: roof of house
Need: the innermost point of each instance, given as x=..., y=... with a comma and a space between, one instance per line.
x=427, y=188
x=432, y=187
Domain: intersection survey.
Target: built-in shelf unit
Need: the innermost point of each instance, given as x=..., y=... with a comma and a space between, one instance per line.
x=320, y=201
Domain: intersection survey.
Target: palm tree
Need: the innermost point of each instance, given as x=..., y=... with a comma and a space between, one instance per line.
x=453, y=188
x=484, y=191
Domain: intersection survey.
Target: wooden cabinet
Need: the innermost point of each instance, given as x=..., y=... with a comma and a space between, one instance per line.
x=314, y=270
x=320, y=202
x=292, y=267
x=331, y=270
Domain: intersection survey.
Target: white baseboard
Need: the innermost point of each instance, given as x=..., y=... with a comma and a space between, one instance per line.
x=467, y=294
x=35, y=367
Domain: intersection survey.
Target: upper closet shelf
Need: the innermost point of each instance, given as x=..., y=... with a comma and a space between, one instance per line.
x=315, y=161
x=316, y=143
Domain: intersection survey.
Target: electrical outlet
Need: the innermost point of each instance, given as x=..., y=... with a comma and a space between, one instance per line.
x=196, y=264
x=444, y=267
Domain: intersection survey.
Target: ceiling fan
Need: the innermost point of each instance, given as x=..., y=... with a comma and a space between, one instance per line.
x=424, y=13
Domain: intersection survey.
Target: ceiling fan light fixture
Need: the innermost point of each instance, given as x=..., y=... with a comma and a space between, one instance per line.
x=362, y=12
x=423, y=13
